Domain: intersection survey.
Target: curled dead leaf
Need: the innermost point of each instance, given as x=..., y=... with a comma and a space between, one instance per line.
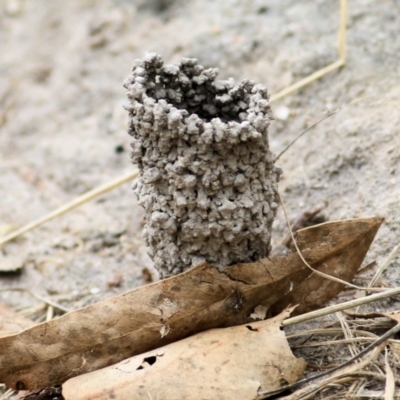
x=199, y=299
x=230, y=363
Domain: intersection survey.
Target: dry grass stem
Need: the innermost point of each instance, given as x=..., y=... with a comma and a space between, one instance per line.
x=38, y=297
x=384, y=265
x=70, y=206
x=7, y=394
x=302, y=133
x=28, y=312
x=331, y=332
x=340, y=62
x=360, y=380
x=390, y=381
x=358, y=339
x=49, y=313
x=345, y=369
x=341, y=307
x=347, y=334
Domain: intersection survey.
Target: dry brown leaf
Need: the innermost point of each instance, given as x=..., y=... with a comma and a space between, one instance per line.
x=230, y=363
x=199, y=299
x=338, y=260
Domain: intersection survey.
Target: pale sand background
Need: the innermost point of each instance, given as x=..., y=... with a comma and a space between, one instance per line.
x=62, y=64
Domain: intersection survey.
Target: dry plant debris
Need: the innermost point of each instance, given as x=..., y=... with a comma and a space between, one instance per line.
x=348, y=367
x=229, y=363
x=363, y=375
x=199, y=299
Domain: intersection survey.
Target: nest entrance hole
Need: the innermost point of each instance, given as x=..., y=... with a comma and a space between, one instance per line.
x=200, y=94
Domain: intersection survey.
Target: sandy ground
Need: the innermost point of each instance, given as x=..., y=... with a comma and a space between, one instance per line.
x=63, y=127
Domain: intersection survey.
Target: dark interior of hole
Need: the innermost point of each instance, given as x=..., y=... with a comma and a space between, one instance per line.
x=204, y=100
x=150, y=360
x=250, y=328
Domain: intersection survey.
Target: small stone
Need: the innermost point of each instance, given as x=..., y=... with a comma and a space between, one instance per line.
x=282, y=113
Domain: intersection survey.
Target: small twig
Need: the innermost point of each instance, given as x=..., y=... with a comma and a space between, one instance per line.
x=376, y=343
x=71, y=205
x=302, y=133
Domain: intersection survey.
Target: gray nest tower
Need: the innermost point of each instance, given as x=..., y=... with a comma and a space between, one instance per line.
x=208, y=183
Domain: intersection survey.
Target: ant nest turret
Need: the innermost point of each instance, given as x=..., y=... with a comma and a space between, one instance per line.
x=208, y=183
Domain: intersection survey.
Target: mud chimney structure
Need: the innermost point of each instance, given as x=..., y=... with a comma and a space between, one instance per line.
x=207, y=183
